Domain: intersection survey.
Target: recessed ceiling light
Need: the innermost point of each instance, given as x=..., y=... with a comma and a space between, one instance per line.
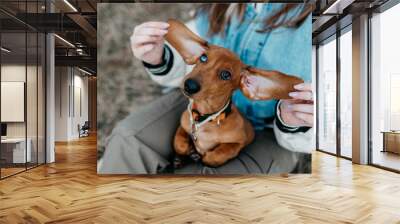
x=64, y=40
x=338, y=6
x=5, y=50
x=84, y=71
x=70, y=5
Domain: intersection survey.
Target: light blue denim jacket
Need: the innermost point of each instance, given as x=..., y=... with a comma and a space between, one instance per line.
x=287, y=50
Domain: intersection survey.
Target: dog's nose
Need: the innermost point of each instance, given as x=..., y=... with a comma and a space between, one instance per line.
x=191, y=86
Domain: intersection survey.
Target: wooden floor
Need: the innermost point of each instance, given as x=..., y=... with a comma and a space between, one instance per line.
x=10, y=171
x=387, y=159
x=70, y=191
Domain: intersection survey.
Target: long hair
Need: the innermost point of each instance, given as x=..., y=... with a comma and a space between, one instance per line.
x=220, y=14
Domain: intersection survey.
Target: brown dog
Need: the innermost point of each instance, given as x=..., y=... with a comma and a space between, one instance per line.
x=212, y=128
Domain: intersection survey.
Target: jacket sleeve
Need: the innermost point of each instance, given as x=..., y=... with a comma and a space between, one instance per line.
x=172, y=70
x=296, y=139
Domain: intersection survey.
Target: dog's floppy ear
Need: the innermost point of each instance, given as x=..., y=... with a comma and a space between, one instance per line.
x=258, y=84
x=189, y=45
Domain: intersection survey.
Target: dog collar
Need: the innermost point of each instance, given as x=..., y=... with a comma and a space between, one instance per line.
x=222, y=114
x=197, y=119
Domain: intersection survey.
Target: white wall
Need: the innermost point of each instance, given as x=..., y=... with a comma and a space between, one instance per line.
x=12, y=73
x=34, y=125
x=12, y=100
x=62, y=81
x=69, y=82
x=80, y=83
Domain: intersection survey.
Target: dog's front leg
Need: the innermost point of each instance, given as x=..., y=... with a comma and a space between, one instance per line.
x=221, y=154
x=182, y=142
x=183, y=148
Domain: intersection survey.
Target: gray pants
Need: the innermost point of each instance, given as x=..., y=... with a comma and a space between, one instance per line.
x=142, y=143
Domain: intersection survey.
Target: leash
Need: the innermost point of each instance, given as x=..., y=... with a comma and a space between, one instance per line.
x=196, y=125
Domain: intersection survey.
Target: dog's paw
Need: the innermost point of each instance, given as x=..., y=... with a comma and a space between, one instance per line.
x=178, y=162
x=195, y=156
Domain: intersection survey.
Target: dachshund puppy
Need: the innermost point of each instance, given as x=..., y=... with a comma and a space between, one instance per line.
x=212, y=129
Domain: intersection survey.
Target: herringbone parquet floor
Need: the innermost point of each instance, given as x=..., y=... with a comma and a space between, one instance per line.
x=70, y=191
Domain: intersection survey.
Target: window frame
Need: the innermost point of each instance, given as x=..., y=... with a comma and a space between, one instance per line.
x=334, y=37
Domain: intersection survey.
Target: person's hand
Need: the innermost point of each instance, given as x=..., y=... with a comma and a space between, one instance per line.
x=147, y=41
x=299, y=111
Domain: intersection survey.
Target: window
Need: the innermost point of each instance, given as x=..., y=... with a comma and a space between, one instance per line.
x=385, y=89
x=327, y=96
x=22, y=77
x=346, y=93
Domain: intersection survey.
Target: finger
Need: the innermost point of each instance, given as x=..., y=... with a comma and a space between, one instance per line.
x=140, y=40
x=303, y=86
x=305, y=108
x=140, y=51
x=307, y=95
x=292, y=101
x=148, y=31
x=155, y=24
x=307, y=118
x=285, y=105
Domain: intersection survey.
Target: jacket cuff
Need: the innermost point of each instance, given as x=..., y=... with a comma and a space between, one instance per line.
x=165, y=66
x=285, y=127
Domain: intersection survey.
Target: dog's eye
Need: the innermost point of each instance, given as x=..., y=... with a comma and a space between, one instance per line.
x=225, y=75
x=203, y=58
